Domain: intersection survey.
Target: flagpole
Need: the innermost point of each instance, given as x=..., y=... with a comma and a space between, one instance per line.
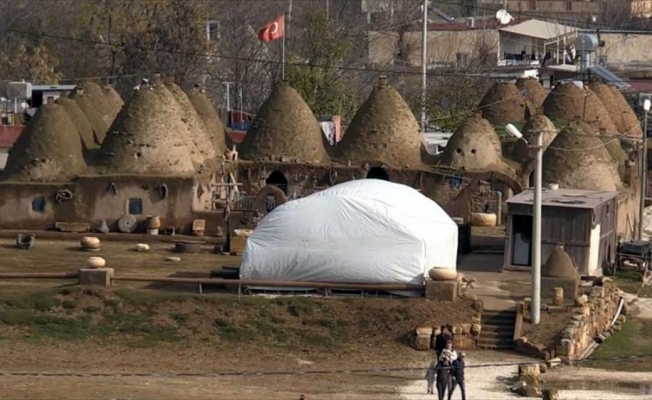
x=283, y=50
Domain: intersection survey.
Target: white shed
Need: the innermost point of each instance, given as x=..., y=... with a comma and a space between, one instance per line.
x=362, y=231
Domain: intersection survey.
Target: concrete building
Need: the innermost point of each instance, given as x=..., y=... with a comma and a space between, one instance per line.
x=580, y=11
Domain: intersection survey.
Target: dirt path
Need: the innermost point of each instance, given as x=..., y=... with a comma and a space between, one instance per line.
x=492, y=383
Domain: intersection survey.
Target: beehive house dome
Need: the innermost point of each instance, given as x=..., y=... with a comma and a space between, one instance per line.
x=383, y=130
x=114, y=103
x=474, y=146
x=148, y=137
x=285, y=126
x=91, y=99
x=204, y=151
x=211, y=119
x=48, y=150
x=502, y=104
x=568, y=102
x=559, y=265
x=532, y=90
x=577, y=159
x=619, y=110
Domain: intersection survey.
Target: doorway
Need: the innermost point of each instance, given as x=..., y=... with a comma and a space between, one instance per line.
x=377, y=173
x=521, y=240
x=278, y=179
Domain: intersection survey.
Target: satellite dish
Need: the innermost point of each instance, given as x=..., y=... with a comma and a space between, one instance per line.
x=504, y=17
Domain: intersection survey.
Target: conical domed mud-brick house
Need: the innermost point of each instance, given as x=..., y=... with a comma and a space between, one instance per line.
x=383, y=131
x=285, y=127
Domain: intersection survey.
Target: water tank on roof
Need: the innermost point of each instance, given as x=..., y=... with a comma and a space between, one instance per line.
x=587, y=43
x=19, y=90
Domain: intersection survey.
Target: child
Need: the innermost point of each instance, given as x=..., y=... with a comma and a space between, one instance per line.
x=431, y=374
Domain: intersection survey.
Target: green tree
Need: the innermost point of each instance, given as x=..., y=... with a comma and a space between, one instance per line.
x=315, y=71
x=32, y=63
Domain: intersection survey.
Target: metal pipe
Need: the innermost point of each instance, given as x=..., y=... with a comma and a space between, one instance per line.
x=643, y=179
x=424, y=65
x=536, y=234
x=39, y=275
x=280, y=284
x=499, y=207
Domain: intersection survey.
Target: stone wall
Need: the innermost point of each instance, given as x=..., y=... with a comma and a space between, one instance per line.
x=590, y=321
x=465, y=335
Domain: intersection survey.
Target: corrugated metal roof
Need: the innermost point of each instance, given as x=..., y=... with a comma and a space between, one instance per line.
x=539, y=29
x=47, y=88
x=609, y=77
x=569, y=198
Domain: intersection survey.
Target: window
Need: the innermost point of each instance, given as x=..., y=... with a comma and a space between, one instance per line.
x=602, y=60
x=38, y=204
x=213, y=31
x=462, y=59
x=136, y=206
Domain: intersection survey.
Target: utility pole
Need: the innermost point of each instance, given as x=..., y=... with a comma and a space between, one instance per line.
x=535, y=306
x=424, y=65
x=644, y=171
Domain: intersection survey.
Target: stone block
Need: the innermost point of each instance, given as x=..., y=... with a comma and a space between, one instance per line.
x=442, y=290
x=421, y=342
x=476, y=329
x=556, y=310
x=466, y=328
x=558, y=298
x=77, y=227
x=237, y=245
x=424, y=331
x=561, y=351
x=569, y=286
x=96, y=276
x=550, y=394
x=478, y=306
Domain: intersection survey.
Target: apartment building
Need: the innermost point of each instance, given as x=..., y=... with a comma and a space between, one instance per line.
x=581, y=11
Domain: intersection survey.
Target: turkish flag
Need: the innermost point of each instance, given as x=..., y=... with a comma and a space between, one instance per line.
x=273, y=30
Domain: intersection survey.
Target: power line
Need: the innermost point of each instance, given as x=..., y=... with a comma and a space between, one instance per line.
x=434, y=73
x=302, y=372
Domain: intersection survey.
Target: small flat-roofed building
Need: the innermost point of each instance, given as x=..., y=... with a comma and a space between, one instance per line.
x=584, y=221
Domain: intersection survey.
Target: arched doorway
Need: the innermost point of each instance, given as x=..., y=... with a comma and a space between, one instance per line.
x=377, y=173
x=278, y=179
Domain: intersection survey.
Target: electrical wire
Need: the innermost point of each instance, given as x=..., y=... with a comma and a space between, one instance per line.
x=307, y=371
x=477, y=72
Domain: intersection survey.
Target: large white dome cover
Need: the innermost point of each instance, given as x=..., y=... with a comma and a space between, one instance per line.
x=362, y=231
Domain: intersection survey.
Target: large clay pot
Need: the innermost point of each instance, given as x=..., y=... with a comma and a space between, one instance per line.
x=153, y=222
x=442, y=274
x=90, y=243
x=96, y=262
x=483, y=219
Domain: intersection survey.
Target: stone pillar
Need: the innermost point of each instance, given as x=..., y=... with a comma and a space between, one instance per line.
x=559, y=296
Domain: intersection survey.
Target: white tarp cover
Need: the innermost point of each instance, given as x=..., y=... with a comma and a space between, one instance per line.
x=362, y=231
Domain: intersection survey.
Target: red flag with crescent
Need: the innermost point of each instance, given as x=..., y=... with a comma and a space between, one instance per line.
x=272, y=31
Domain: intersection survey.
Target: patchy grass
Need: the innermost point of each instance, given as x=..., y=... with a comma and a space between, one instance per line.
x=633, y=340
x=628, y=281
x=646, y=291
x=146, y=318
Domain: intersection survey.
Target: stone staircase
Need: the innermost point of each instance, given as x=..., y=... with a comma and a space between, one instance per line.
x=497, y=330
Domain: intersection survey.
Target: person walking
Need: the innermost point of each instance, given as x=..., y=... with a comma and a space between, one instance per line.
x=458, y=376
x=443, y=377
x=431, y=375
x=441, y=339
x=449, y=352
